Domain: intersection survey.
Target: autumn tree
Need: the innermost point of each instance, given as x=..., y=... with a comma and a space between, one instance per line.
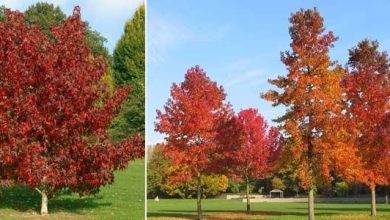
x=277, y=183
x=367, y=84
x=258, y=150
x=53, y=116
x=189, y=120
x=129, y=69
x=317, y=142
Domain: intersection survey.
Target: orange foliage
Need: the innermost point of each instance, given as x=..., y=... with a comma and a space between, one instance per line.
x=318, y=141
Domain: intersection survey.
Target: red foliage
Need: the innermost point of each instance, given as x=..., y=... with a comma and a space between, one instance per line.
x=260, y=146
x=367, y=85
x=190, y=120
x=53, y=118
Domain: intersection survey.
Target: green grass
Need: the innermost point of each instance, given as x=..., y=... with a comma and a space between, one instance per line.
x=233, y=209
x=124, y=199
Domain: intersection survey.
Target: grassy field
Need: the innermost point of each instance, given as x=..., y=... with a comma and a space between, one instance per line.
x=122, y=200
x=233, y=209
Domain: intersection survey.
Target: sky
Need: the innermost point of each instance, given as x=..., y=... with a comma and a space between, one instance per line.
x=106, y=17
x=238, y=44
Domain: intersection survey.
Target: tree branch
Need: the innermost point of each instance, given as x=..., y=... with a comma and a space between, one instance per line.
x=40, y=192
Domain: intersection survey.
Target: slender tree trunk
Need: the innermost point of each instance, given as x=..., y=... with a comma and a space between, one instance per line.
x=311, y=189
x=311, y=203
x=387, y=199
x=248, y=202
x=199, y=198
x=373, y=202
x=44, y=210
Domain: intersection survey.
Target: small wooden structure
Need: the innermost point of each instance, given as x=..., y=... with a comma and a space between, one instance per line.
x=276, y=191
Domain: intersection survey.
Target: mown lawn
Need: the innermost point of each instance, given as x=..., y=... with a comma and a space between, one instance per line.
x=122, y=200
x=232, y=209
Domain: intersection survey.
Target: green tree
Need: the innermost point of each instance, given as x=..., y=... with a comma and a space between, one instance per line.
x=47, y=15
x=2, y=8
x=160, y=168
x=212, y=185
x=129, y=68
x=129, y=53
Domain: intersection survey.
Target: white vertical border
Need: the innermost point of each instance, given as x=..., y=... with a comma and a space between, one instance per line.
x=146, y=116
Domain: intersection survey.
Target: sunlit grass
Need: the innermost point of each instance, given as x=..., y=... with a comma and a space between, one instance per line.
x=233, y=209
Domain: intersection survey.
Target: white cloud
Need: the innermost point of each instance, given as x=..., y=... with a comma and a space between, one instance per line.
x=11, y=4
x=258, y=82
x=22, y=5
x=245, y=77
x=112, y=8
x=238, y=64
x=99, y=8
x=164, y=34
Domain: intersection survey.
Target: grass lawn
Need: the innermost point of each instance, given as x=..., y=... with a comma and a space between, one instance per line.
x=232, y=209
x=122, y=200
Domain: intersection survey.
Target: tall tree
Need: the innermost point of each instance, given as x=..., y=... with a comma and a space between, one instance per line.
x=53, y=111
x=189, y=121
x=367, y=84
x=312, y=94
x=129, y=68
x=260, y=146
x=46, y=15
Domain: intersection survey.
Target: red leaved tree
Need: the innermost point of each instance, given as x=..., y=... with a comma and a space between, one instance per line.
x=54, y=112
x=259, y=148
x=367, y=85
x=317, y=142
x=190, y=121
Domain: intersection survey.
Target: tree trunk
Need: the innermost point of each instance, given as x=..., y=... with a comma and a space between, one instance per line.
x=373, y=202
x=248, y=202
x=387, y=199
x=44, y=210
x=311, y=203
x=199, y=198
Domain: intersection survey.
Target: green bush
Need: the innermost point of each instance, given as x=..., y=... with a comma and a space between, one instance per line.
x=341, y=189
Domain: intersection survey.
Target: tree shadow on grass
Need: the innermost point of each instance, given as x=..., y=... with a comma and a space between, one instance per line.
x=22, y=199
x=347, y=209
x=190, y=214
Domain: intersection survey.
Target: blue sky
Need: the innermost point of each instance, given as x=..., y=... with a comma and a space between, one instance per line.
x=238, y=43
x=108, y=17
